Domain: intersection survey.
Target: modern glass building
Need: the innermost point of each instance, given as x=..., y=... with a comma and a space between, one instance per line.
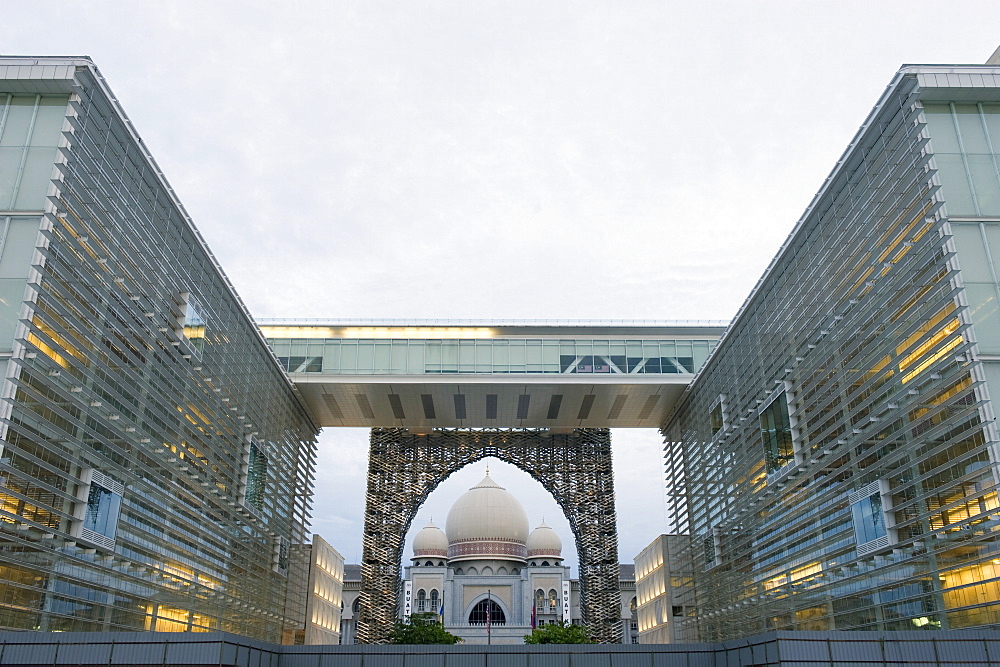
x=156, y=461
x=835, y=461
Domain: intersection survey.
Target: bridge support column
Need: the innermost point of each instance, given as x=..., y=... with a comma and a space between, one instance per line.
x=404, y=468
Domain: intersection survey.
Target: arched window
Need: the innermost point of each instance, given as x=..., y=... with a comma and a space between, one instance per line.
x=545, y=563
x=459, y=571
x=429, y=564
x=501, y=570
x=434, y=600
x=479, y=615
x=421, y=601
x=539, y=600
x=516, y=571
x=473, y=572
x=553, y=599
x=487, y=571
x=356, y=607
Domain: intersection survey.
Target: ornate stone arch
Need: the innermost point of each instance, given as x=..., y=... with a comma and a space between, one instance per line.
x=405, y=467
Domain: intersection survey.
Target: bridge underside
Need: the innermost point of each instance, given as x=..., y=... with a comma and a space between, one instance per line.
x=575, y=467
x=417, y=402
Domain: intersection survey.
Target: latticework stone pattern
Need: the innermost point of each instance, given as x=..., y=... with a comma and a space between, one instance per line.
x=575, y=468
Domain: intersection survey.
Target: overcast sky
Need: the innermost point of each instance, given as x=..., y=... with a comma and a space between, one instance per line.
x=497, y=159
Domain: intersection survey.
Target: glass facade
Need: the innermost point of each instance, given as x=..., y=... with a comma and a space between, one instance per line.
x=965, y=138
x=490, y=356
x=863, y=495
x=135, y=381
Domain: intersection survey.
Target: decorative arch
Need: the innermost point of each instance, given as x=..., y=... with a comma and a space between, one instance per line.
x=405, y=467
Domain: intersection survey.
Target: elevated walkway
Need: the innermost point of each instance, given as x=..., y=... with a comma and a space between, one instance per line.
x=556, y=374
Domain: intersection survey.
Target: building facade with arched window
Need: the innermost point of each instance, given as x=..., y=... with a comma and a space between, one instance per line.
x=486, y=575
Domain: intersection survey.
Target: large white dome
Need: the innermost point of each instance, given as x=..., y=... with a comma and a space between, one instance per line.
x=487, y=522
x=430, y=541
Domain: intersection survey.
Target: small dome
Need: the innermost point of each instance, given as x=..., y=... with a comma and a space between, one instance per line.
x=430, y=541
x=543, y=542
x=487, y=522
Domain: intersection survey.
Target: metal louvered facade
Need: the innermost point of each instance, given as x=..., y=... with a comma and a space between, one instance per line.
x=835, y=461
x=156, y=461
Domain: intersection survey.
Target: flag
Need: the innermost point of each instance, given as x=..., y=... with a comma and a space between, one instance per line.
x=488, y=605
x=533, y=617
x=441, y=612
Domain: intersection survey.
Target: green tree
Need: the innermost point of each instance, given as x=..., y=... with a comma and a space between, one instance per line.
x=421, y=629
x=558, y=633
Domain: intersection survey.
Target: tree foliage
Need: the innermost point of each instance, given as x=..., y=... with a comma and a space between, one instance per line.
x=421, y=629
x=558, y=633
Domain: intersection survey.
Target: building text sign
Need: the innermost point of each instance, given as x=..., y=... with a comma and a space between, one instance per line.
x=407, y=600
x=565, y=602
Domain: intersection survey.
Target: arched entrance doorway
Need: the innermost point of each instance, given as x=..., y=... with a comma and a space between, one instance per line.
x=405, y=467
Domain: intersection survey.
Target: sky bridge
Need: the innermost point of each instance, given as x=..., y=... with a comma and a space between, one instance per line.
x=557, y=374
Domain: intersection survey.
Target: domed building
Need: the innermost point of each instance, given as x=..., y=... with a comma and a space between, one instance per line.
x=489, y=576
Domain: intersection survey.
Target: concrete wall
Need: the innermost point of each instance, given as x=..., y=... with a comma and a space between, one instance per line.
x=816, y=649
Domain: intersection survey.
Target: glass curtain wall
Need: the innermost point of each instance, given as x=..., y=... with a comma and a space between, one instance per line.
x=870, y=330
